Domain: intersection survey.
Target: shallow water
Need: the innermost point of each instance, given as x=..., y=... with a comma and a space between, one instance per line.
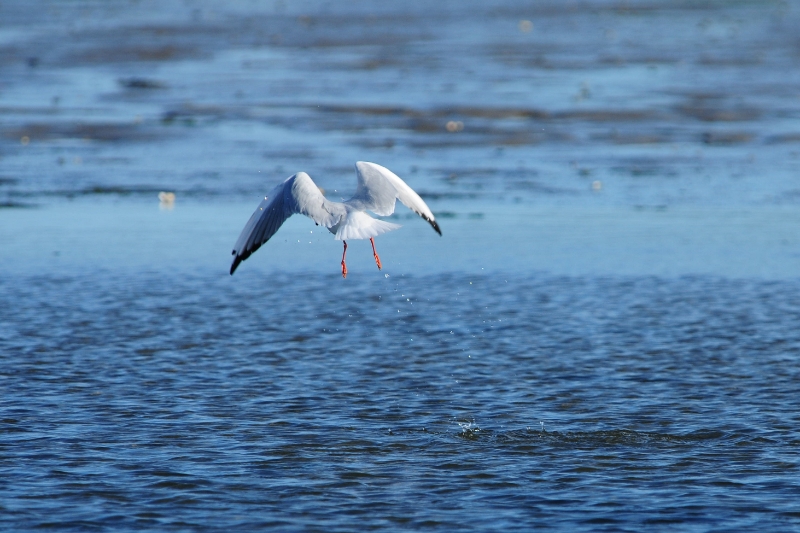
x=669, y=104
x=605, y=337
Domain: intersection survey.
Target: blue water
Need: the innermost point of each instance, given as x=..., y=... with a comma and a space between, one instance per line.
x=605, y=337
x=441, y=402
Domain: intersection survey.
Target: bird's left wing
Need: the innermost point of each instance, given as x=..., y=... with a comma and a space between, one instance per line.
x=297, y=194
x=379, y=188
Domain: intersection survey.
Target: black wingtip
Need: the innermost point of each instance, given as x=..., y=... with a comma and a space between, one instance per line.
x=436, y=227
x=236, y=261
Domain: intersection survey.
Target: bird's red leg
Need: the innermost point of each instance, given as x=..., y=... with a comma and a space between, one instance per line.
x=375, y=253
x=344, y=266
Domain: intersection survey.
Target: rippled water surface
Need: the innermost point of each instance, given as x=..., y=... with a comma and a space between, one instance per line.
x=606, y=336
x=448, y=401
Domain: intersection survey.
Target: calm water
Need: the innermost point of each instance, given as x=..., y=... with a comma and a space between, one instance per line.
x=606, y=337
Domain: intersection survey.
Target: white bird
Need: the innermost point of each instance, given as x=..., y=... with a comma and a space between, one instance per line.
x=378, y=189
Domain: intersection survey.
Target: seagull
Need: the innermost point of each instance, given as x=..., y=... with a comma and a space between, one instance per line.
x=378, y=190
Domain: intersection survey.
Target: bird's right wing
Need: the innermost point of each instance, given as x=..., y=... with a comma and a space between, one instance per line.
x=298, y=194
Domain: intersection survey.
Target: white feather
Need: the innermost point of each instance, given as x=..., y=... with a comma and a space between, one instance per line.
x=359, y=225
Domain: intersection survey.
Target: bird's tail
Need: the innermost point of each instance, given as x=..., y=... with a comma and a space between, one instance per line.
x=359, y=225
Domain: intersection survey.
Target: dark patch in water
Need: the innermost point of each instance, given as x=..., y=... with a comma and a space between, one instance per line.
x=721, y=137
x=141, y=83
x=537, y=187
x=645, y=171
x=711, y=109
x=16, y=205
x=104, y=132
x=784, y=138
x=122, y=53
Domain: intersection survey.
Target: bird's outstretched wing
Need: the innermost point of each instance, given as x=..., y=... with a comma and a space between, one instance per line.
x=379, y=187
x=298, y=194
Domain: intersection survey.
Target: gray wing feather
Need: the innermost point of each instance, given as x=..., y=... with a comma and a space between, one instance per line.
x=298, y=194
